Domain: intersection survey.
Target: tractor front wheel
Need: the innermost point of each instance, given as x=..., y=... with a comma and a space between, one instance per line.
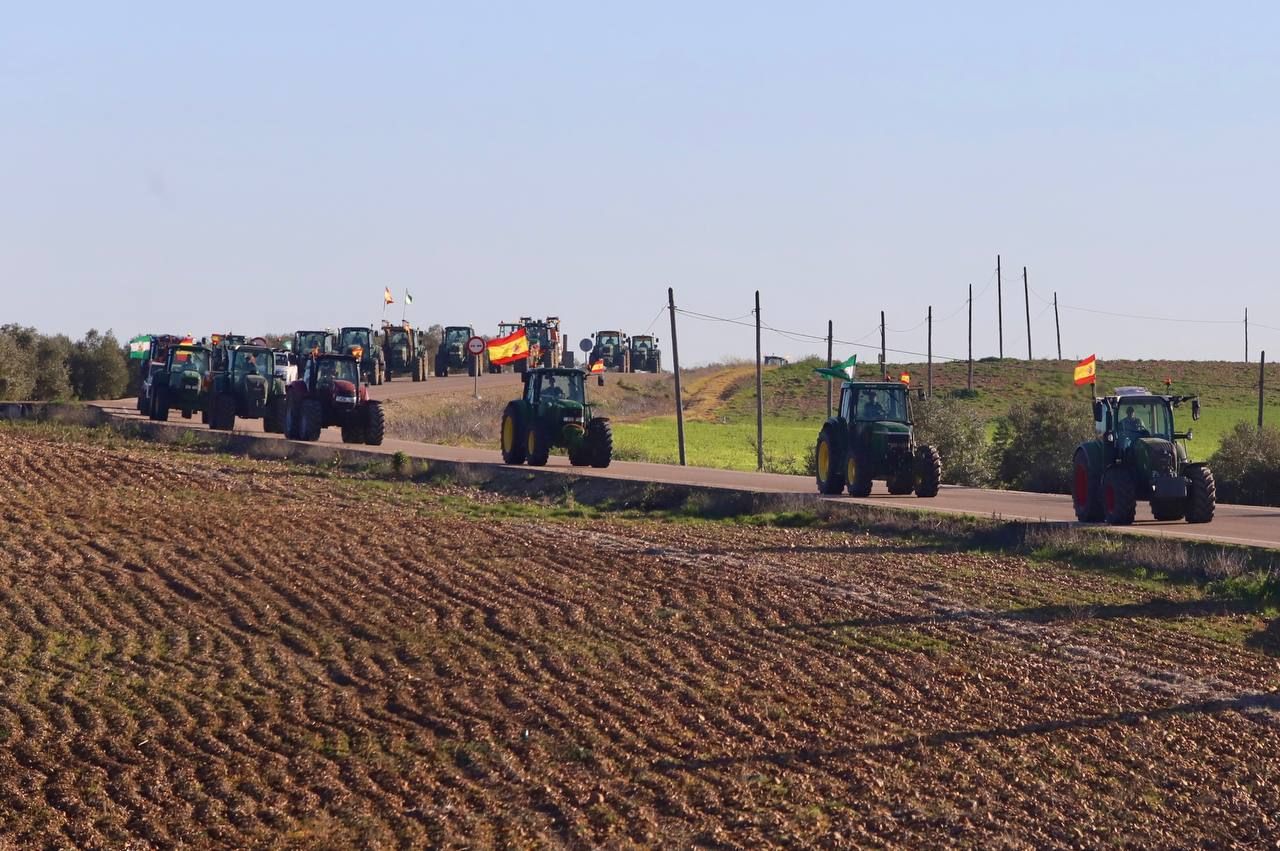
x=312, y=416
x=537, y=445
x=1203, y=497
x=928, y=476
x=1168, y=509
x=513, y=439
x=829, y=461
x=857, y=475
x=223, y=417
x=375, y=424
x=273, y=417
x=1119, y=502
x=600, y=442
x=1086, y=490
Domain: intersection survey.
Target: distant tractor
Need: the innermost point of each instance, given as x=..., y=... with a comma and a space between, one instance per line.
x=452, y=356
x=404, y=351
x=182, y=383
x=505, y=329
x=221, y=346
x=250, y=389
x=157, y=354
x=775, y=360
x=330, y=392
x=872, y=438
x=645, y=356
x=1138, y=457
x=363, y=344
x=611, y=349
x=546, y=345
x=554, y=412
x=306, y=343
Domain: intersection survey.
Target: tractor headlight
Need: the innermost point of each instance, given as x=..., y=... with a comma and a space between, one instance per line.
x=345, y=400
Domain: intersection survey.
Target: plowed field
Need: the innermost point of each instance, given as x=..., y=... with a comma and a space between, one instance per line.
x=201, y=650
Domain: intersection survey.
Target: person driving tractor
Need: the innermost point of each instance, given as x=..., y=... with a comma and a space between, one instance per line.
x=871, y=408
x=551, y=390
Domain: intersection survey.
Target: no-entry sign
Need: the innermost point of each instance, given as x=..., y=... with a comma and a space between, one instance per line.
x=475, y=345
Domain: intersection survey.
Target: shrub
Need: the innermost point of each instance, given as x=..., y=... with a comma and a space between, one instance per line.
x=1034, y=444
x=96, y=369
x=1246, y=466
x=960, y=434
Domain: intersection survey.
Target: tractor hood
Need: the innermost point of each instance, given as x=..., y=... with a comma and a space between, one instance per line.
x=1155, y=454
x=344, y=390
x=890, y=428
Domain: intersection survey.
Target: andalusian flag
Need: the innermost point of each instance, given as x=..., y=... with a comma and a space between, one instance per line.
x=598, y=366
x=140, y=346
x=408, y=297
x=508, y=349
x=386, y=296
x=840, y=371
x=1087, y=371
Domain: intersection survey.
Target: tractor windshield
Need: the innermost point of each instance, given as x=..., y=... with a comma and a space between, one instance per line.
x=562, y=388
x=877, y=404
x=252, y=363
x=336, y=369
x=315, y=341
x=456, y=336
x=1143, y=417
x=641, y=343
x=398, y=338
x=356, y=337
x=187, y=359
x=608, y=338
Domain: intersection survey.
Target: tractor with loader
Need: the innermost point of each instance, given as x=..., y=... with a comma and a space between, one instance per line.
x=553, y=412
x=872, y=438
x=248, y=388
x=157, y=353
x=330, y=392
x=1137, y=456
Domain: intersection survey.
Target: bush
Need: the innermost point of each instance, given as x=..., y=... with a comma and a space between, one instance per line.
x=17, y=363
x=960, y=434
x=97, y=371
x=1246, y=466
x=1035, y=442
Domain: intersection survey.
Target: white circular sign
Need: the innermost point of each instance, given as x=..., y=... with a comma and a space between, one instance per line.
x=475, y=345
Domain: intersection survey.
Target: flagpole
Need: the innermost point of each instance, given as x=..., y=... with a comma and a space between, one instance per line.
x=404, y=307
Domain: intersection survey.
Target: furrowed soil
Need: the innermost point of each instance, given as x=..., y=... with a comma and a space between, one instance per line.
x=201, y=650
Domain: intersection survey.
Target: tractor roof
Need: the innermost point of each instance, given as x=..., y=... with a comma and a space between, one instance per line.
x=357, y=328
x=617, y=333
x=190, y=347
x=333, y=356
x=556, y=370
x=874, y=385
x=642, y=336
x=457, y=328
x=252, y=349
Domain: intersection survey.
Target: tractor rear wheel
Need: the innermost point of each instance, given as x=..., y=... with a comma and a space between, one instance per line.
x=857, y=475
x=599, y=441
x=223, y=417
x=1203, y=497
x=1086, y=489
x=513, y=439
x=928, y=476
x=1119, y=502
x=537, y=445
x=159, y=405
x=375, y=423
x=292, y=421
x=829, y=461
x=312, y=416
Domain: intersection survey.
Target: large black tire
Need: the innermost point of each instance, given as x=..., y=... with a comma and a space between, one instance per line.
x=1203, y=498
x=224, y=412
x=928, y=472
x=352, y=433
x=857, y=475
x=600, y=442
x=830, y=461
x=1168, y=509
x=537, y=445
x=1086, y=489
x=1119, y=500
x=312, y=417
x=293, y=421
x=159, y=405
x=273, y=416
x=512, y=435
x=375, y=423
x=902, y=483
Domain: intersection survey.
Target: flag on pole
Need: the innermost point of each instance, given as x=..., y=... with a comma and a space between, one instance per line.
x=386, y=296
x=1087, y=371
x=905, y=378
x=838, y=372
x=598, y=366
x=508, y=349
x=408, y=297
x=139, y=347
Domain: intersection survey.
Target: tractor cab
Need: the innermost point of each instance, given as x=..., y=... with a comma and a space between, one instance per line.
x=643, y=343
x=190, y=360
x=252, y=362
x=354, y=338
x=544, y=387
x=552, y=412
x=312, y=342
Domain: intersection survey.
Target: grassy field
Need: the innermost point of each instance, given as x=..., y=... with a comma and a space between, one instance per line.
x=708, y=444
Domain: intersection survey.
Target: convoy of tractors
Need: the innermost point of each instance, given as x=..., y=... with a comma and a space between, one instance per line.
x=320, y=379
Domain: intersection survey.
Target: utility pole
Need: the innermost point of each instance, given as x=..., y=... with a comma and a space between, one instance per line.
x=675, y=363
x=1246, y=335
x=999, y=304
x=830, y=363
x=929, y=378
x=1262, y=373
x=1026, y=297
x=759, y=394
x=971, y=336
x=1057, y=329
x=883, y=362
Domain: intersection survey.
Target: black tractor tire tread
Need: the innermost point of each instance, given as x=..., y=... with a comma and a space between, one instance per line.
x=928, y=473
x=1203, y=497
x=600, y=441
x=1168, y=509
x=541, y=450
x=312, y=417
x=375, y=424
x=834, y=482
x=1088, y=509
x=1118, y=491
x=860, y=484
x=517, y=452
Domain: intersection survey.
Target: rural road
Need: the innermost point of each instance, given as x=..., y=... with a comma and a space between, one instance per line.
x=1233, y=524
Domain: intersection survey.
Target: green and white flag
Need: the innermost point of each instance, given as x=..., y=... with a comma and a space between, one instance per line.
x=408, y=299
x=838, y=372
x=139, y=346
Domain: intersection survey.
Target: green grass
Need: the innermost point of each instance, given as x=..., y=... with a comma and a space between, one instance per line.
x=725, y=445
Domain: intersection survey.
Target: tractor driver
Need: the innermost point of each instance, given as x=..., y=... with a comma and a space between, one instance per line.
x=1132, y=427
x=551, y=391
x=251, y=365
x=871, y=408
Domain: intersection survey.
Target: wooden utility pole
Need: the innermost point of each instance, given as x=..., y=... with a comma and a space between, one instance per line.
x=759, y=394
x=1057, y=329
x=830, y=363
x=1026, y=298
x=675, y=363
x=1246, y=335
x=929, y=375
x=1262, y=373
x=971, y=336
x=883, y=361
x=999, y=304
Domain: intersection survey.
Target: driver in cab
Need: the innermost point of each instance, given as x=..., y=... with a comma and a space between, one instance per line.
x=1131, y=427
x=871, y=408
x=551, y=391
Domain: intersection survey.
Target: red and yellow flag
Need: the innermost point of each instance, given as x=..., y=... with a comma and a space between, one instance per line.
x=509, y=349
x=598, y=366
x=386, y=296
x=1087, y=371
x=905, y=378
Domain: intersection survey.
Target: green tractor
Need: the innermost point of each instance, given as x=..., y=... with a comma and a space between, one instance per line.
x=404, y=350
x=872, y=438
x=452, y=354
x=248, y=388
x=182, y=383
x=1137, y=456
x=554, y=412
x=611, y=349
x=645, y=356
x=362, y=344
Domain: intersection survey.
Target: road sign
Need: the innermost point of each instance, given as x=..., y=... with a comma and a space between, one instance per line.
x=475, y=345
x=585, y=344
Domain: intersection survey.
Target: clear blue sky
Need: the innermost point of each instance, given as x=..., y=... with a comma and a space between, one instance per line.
x=269, y=166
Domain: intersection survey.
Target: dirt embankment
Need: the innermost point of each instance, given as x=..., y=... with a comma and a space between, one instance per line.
x=204, y=650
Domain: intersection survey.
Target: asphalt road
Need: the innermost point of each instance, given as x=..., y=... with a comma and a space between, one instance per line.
x=1235, y=524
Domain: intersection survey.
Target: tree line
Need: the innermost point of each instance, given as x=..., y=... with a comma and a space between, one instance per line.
x=49, y=367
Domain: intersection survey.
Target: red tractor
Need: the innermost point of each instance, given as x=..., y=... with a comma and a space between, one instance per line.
x=330, y=392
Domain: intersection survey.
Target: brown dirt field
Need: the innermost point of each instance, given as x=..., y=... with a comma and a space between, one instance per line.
x=201, y=650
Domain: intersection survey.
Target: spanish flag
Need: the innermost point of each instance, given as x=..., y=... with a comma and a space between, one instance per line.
x=386, y=296
x=598, y=366
x=905, y=378
x=1087, y=371
x=509, y=349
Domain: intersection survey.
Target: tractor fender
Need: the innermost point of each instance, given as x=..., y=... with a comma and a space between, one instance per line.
x=839, y=428
x=1094, y=452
